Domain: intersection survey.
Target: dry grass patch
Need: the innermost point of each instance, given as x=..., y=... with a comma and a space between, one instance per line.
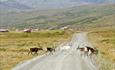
x=105, y=42
x=14, y=46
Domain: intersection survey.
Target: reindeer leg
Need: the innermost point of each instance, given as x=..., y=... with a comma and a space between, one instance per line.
x=46, y=53
x=31, y=53
x=90, y=55
x=28, y=52
x=82, y=53
x=87, y=53
x=36, y=53
x=52, y=52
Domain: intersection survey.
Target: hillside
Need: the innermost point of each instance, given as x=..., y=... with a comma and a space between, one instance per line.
x=76, y=17
x=13, y=5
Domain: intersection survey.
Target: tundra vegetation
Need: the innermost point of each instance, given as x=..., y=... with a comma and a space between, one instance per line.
x=104, y=40
x=14, y=46
x=99, y=18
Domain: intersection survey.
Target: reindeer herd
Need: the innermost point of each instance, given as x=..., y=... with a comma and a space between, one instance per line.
x=36, y=49
x=86, y=50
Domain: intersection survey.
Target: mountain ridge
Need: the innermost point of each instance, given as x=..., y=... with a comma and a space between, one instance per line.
x=13, y=5
x=48, y=4
x=79, y=16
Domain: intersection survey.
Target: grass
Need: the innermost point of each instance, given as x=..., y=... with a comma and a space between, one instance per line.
x=14, y=46
x=104, y=40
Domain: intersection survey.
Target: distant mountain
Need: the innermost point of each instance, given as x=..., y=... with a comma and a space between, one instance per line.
x=61, y=3
x=94, y=1
x=13, y=5
x=48, y=4
x=76, y=17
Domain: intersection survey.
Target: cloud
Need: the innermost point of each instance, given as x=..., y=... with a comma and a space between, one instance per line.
x=3, y=0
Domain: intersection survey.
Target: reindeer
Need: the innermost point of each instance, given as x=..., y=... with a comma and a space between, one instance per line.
x=35, y=50
x=83, y=50
x=51, y=50
x=66, y=47
x=88, y=51
x=91, y=51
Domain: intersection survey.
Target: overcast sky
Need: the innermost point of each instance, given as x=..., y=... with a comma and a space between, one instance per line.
x=3, y=0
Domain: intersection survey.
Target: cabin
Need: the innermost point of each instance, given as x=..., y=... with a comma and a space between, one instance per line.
x=4, y=30
x=52, y=28
x=37, y=29
x=65, y=27
x=27, y=30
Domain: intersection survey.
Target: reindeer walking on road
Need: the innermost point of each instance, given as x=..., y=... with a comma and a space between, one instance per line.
x=89, y=51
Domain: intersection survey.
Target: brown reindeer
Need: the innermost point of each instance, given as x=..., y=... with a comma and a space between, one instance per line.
x=51, y=50
x=88, y=50
x=91, y=51
x=35, y=50
x=83, y=50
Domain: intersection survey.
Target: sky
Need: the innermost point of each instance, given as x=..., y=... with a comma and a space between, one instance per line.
x=3, y=0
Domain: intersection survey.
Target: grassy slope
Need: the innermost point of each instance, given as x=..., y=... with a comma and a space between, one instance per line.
x=104, y=40
x=75, y=16
x=105, y=22
x=14, y=46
